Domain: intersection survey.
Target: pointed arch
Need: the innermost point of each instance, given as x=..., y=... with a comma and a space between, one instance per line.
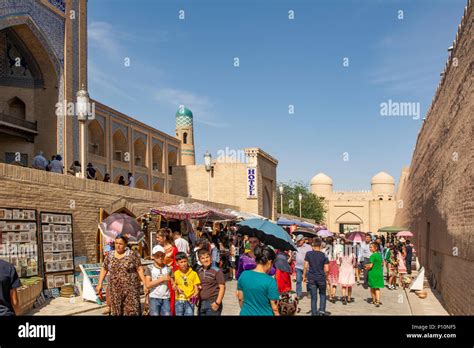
x=96, y=136
x=17, y=108
x=120, y=145
x=139, y=149
x=349, y=217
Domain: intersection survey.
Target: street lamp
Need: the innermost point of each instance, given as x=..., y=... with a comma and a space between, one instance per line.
x=82, y=110
x=300, y=197
x=208, y=166
x=281, y=199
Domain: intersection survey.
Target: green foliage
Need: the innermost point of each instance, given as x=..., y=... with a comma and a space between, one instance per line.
x=312, y=207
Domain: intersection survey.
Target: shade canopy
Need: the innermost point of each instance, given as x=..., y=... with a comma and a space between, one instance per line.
x=305, y=232
x=392, y=229
x=194, y=210
x=288, y=222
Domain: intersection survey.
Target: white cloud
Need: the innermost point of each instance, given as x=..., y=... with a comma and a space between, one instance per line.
x=201, y=106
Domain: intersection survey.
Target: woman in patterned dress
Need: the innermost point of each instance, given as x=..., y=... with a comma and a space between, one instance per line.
x=125, y=272
x=402, y=267
x=165, y=239
x=347, y=261
x=333, y=276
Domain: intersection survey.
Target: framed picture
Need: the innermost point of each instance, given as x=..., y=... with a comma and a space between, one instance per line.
x=24, y=237
x=63, y=256
x=32, y=236
x=31, y=215
x=61, y=246
x=22, y=262
x=2, y=214
x=68, y=219
x=31, y=271
x=50, y=282
x=48, y=237
x=32, y=262
x=59, y=238
x=56, y=257
x=68, y=228
x=8, y=214
x=3, y=225
x=48, y=257
x=55, y=247
x=11, y=237
x=70, y=278
x=45, y=228
x=16, y=214
x=68, y=246
x=48, y=247
x=59, y=281
x=69, y=265
x=69, y=256
x=49, y=266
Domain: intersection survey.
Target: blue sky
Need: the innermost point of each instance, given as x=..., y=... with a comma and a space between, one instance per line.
x=282, y=62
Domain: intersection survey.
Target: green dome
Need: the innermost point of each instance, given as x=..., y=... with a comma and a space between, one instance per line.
x=184, y=112
x=184, y=117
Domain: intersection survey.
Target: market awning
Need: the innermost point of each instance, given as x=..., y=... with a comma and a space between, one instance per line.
x=188, y=211
x=392, y=229
x=287, y=222
x=244, y=215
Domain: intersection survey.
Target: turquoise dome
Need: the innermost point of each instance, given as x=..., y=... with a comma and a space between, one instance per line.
x=184, y=117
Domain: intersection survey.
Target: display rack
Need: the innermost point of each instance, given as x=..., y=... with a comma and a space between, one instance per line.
x=58, y=248
x=91, y=274
x=19, y=240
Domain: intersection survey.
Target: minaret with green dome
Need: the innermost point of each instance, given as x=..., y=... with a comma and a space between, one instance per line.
x=185, y=132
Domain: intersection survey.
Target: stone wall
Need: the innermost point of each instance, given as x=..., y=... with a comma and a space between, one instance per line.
x=29, y=188
x=438, y=194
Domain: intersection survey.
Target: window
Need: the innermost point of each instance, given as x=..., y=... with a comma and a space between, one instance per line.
x=170, y=170
x=118, y=155
x=138, y=161
x=185, y=138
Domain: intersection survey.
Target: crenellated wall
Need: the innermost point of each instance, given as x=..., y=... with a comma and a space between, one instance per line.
x=438, y=193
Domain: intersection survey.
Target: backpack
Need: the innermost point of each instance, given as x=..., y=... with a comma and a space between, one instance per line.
x=194, y=261
x=288, y=304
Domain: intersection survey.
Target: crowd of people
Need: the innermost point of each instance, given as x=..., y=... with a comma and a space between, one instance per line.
x=189, y=278
x=55, y=165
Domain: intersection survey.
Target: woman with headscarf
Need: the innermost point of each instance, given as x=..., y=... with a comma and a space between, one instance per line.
x=283, y=272
x=126, y=271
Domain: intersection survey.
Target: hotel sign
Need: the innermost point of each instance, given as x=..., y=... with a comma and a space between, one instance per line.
x=251, y=182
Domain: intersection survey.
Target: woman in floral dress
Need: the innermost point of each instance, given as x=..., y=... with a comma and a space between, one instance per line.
x=125, y=272
x=165, y=239
x=402, y=267
x=346, y=272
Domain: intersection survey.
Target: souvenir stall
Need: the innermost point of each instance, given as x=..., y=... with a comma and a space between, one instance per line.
x=193, y=218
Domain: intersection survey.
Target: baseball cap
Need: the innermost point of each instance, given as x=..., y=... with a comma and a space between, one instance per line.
x=299, y=237
x=157, y=248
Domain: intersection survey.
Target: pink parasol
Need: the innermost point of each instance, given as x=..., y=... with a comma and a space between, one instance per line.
x=356, y=236
x=124, y=224
x=186, y=211
x=324, y=233
x=404, y=234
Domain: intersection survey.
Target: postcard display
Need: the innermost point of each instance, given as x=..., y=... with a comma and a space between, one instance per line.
x=18, y=240
x=58, y=249
x=91, y=274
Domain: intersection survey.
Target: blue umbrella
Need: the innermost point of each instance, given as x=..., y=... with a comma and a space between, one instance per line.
x=268, y=233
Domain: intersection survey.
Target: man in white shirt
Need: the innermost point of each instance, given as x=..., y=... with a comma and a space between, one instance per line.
x=364, y=257
x=181, y=243
x=131, y=180
x=39, y=162
x=302, y=248
x=56, y=165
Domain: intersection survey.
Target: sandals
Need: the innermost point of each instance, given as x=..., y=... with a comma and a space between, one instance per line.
x=344, y=301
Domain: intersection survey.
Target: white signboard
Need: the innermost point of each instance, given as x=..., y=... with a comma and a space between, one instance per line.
x=251, y=182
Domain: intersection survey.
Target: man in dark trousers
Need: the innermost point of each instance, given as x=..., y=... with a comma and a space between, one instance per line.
x=409, y=257
x=316, y=269
x=9, y=282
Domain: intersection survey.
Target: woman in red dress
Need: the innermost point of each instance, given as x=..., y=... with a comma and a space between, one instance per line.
x=165, y=239
x=283, y=272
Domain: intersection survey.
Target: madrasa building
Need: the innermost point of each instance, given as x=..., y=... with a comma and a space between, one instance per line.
x=366, y=211
x=43, y=65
